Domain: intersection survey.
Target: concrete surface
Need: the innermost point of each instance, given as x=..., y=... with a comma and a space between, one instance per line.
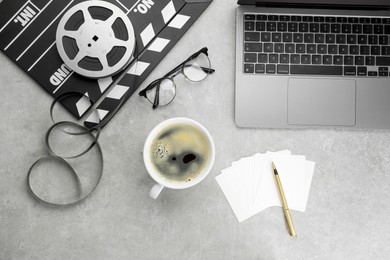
x=347, y=215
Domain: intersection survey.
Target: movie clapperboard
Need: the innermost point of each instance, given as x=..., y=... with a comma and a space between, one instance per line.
x=28, y=34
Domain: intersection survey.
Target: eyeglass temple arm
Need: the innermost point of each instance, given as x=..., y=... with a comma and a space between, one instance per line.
x=193, y=56
x=149, y=87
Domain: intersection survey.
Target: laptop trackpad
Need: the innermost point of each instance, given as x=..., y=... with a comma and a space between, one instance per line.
x=325, y=102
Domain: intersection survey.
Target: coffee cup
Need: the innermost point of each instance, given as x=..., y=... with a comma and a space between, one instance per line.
x=178, y=154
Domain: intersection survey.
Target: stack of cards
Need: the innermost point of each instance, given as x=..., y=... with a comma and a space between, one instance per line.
x=249, y=184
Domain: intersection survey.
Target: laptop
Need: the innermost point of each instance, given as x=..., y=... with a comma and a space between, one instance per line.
x=313, y=63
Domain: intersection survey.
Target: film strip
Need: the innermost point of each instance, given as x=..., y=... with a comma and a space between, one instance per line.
x=28, y=36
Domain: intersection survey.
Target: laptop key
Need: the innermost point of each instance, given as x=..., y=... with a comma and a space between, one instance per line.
x=284, y=58
x=373, y=74
x=295, y=58
x=314, y=27
x=308, y=38
x=354, y=49
x=353, y=20
x=330, y=19
x=327, y=59
x=343, y=49
x=261, y=17
x=378, y=29
x=320, y=38
x=284, y=18
x=325, y=28
x=301, y=48
x=348, y=60
x=342, y=19
x=370, y=61
x=283, y=69
x=276, y=37
x=376, y=20
x=311, y=48
x=362, y=71
x=292, y=27
x=298, y=37
x=305, y=59
x=250, y=17
x=287, y=37
x=307, y=18
x=250, y=57
x=359, y=60
x=273, y=18
x=260, y=26
x=271, y=26
x=346, y=28
x=265, y=37
x=365, y=50
x=349, y=70
x=362, y=39
x=383, y=71
x=335, y=28
x=282, y=27
x=367, y=29
x=290, y=48
x=252, y=36
x=260, y=68
x=268, y=47
x=316, y=70
x=303, y=27
x=351, y=39
x=341, y=39
x=383, y=61
x=274, y=58
x=295, y=18
x=270, y=69
x=387, y=29
x=322, y=49
x=249, y=26
x=332, y=49
x=386, y=50
x=375, y=50
x=249, y=68
x=330, y=38
x=384, y=40
x=372, y=39
x=279, y=47
x=262, y=58
x=253, y=47
x=357, y=28
x=338, y=60
x=316, y=59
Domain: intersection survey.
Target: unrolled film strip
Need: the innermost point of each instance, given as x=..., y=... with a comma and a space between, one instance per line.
x=178, y=21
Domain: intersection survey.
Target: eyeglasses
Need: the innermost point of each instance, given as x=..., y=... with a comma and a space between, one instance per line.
x=162, y=91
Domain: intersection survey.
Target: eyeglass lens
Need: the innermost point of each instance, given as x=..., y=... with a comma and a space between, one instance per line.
x=167, y=92
x=196, y=69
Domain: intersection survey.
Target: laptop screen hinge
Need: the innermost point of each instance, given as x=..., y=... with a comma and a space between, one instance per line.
x=321, y=6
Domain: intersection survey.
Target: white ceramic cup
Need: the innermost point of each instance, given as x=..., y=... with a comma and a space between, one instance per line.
x=160, y=182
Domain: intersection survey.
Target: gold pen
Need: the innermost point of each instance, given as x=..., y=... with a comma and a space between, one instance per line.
x=284, y=203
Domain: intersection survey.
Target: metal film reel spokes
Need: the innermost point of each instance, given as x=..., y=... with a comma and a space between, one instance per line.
x=95, y=39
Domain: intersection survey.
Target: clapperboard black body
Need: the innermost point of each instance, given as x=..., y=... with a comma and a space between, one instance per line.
x=27, y=37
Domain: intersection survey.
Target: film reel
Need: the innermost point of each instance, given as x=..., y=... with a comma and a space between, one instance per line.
x=95, y=39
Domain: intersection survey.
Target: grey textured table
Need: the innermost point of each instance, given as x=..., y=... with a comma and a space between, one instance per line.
x=347, y=215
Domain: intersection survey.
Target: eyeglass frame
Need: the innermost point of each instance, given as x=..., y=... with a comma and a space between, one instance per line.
x=179, y=69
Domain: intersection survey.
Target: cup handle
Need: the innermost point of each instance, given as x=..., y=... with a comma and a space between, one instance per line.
x=156, y=190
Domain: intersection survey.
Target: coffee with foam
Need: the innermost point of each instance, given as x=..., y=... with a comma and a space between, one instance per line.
x=179, y=152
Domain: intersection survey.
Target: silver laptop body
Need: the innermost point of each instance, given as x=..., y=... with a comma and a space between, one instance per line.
x=284, y=95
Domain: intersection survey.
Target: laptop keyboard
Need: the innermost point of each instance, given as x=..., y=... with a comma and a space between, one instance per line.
x=316, y=45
